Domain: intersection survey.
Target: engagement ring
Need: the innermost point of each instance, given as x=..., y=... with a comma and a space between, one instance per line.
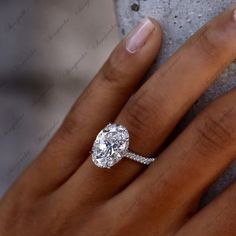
x=111, y=145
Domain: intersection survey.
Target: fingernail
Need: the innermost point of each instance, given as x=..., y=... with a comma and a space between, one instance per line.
x=139, y=35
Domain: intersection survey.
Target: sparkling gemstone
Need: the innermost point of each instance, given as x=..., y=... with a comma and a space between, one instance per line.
x=110, y=145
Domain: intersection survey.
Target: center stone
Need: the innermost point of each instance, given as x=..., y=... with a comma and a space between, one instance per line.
x=110, y=145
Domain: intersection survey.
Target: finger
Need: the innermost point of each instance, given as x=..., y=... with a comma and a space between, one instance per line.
x=191, y=163
x=153, y=112
x=216, y=219
x=99, y=104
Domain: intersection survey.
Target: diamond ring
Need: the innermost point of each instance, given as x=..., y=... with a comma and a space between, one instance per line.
x=111, y=145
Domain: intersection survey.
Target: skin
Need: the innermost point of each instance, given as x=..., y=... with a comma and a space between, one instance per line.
x=64, y=193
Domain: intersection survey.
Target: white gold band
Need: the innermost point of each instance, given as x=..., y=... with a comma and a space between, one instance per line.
x=138, y=158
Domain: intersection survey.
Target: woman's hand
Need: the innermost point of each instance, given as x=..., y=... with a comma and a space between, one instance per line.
x=64, y=193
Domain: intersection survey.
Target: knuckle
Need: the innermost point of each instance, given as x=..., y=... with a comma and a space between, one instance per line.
x=69, y=126
x=217, y=40
x=140, y=115
x=210, y=43
x=216, y=132
x=112, y=72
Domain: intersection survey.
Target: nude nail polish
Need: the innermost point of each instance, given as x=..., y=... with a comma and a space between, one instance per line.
x=139, y=36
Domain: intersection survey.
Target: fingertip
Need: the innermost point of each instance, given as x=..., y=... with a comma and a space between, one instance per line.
x=156, y=23
x=158, y=29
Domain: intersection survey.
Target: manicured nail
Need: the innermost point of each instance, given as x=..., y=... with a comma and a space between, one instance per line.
x=139, y=35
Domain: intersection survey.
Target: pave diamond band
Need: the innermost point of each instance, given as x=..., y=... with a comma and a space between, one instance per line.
x=138, y=158
x=111, y=145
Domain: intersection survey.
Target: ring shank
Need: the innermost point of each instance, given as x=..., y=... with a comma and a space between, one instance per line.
x=138, y=158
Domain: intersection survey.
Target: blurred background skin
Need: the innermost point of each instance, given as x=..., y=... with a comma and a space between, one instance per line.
x=49, y=51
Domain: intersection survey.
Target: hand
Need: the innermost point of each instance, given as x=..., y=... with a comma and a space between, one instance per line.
x=64, y=193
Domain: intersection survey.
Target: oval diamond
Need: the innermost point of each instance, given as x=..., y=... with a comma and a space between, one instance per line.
x=110, y=145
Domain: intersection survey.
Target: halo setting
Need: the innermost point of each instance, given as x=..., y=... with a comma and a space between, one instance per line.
x=111, y=145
